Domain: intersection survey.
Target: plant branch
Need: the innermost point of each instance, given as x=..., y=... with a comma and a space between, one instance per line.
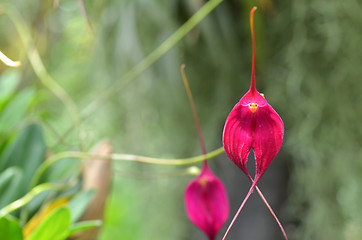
x=121, y=157
x=27, y=198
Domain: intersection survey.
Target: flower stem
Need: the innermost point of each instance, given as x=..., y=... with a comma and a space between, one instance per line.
x=269, y=207
x=27, y=198
x=194, y=110
x=193, y=170
x=121, y=157
x=252, y=82
x=272, y=212
x=241, y=207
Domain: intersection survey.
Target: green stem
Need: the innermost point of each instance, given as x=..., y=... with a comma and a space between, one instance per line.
x=121, y=157
x=164, y=161
x=27, y=198
x=272, y=212
x=193, y=170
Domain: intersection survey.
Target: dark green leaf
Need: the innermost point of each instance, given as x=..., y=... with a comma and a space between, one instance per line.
x=15, y=110
x=8, y=83
x=27, y=153
x=10, y=181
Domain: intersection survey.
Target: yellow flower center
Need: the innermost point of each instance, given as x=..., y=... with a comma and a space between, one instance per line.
x=253, y=107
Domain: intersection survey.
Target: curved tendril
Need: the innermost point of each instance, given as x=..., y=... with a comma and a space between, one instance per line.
x=27, y=198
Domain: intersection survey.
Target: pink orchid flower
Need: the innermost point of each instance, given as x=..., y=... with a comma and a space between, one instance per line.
x=253, y=124
x=206, y=202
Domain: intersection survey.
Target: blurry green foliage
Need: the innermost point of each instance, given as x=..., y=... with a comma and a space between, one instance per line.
x=27, y=153
x=308, y=66
x=316, y=65
x=10, y=182
x=19, y=160
x=56, y=226
x=79, y=203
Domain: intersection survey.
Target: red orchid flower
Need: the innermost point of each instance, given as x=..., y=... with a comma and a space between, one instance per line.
x=206, y=201
x=253, y=124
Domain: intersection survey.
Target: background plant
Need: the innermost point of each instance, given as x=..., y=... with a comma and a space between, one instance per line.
x=308, y=67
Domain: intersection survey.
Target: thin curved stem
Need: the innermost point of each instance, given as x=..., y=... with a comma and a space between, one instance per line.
x=193, y=170
x=194, y=110
x=254, y=186
x=272, y=212
x=241, y=207
x=27, y=198
x=269, y=207
x=121, y=157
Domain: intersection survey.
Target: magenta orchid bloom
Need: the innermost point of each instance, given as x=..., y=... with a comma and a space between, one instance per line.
x=253, y=124
x=206, y=202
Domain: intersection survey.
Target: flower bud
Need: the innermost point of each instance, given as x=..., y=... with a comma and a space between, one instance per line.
x=206, y=202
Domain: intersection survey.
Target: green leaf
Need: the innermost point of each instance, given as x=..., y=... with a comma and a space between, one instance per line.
x=10, y=181
x=55, y=227
x=27, y=153
x=85, y=225
x=79, y=203
x=15, y=110
x=9, y=80
x=10, y=229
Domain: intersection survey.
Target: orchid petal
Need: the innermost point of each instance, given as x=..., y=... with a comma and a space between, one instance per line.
x=206, y=202
x=261, y=131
